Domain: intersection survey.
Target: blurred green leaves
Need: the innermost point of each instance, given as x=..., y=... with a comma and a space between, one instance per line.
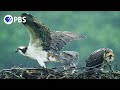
x=100, y=27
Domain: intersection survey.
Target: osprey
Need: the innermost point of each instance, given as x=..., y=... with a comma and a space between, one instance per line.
x=69, y=59
x=99, y=58
x=44, y=41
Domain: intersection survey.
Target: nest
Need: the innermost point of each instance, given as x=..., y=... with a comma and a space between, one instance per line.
x=44, y=73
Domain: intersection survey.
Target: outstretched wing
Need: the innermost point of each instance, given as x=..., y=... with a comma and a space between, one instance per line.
x=61, y=38
x=39, y=33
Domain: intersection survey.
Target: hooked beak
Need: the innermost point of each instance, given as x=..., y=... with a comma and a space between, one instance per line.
x=16, y=51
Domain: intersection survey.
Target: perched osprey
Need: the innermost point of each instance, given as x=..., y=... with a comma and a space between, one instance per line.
x=69, y=59
x=99, y=58
x=43, y=40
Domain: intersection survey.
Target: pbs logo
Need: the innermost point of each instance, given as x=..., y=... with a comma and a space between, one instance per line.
x=8, y=19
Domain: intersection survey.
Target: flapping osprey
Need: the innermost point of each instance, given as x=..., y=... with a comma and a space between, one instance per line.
x=43, y=40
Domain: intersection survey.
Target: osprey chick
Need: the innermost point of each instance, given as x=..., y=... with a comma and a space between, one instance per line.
x=43, y=40
x=69, y=59
x=99, y=58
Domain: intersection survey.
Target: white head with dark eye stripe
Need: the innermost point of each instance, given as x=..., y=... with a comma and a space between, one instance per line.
x=22, y=50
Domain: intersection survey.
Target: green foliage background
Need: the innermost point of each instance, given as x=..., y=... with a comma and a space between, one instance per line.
x=102, y=29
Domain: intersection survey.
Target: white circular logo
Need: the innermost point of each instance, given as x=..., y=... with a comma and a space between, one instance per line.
x=8, y=19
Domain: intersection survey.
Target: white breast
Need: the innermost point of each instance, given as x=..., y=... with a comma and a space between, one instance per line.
x=37, y=53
